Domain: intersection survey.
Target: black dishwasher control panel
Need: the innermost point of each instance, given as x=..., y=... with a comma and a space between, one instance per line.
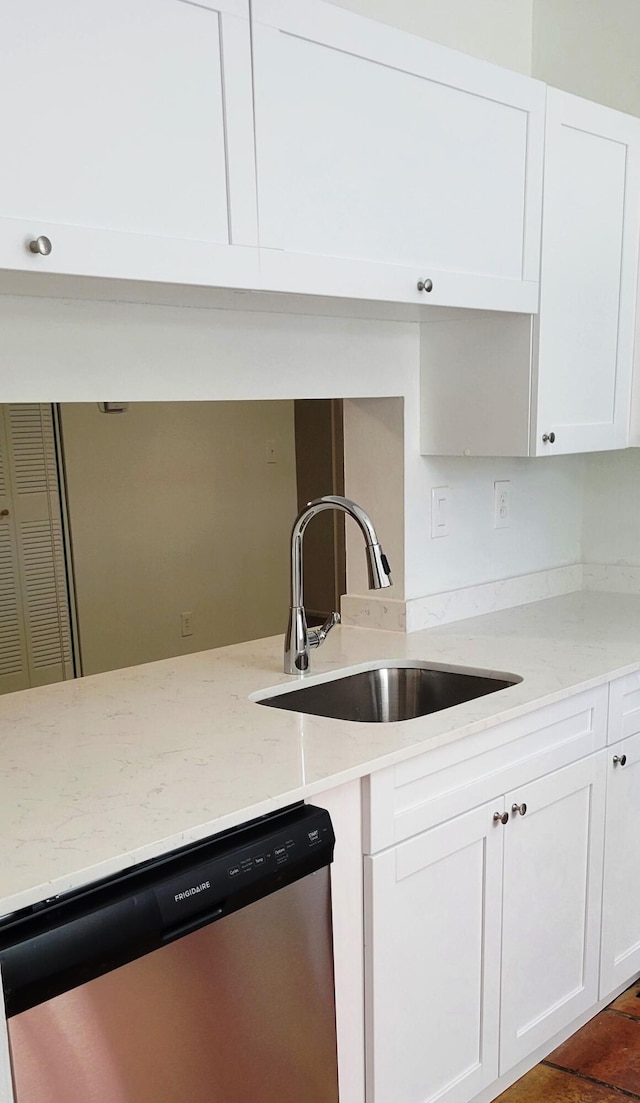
x=72, y=939
x=292, y=850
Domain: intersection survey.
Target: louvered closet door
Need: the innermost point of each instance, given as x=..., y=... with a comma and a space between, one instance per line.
x=35, y=530
x=14, y=670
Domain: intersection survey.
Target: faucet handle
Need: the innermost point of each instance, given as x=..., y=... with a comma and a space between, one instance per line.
x=318, y=635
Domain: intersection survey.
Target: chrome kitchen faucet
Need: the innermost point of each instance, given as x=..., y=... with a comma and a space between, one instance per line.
x=299, y=638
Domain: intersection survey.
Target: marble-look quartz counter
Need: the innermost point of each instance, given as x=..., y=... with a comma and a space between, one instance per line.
x=107, y=771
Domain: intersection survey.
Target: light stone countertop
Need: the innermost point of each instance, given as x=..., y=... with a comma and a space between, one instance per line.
x=106, y=771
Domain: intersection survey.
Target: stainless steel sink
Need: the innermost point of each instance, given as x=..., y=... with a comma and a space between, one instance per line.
x=384, y=694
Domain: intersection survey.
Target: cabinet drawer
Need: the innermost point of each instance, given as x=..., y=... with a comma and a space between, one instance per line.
x=624, y=707
x=439, y=784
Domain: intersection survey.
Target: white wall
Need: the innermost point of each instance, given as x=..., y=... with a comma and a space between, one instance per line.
x=545, y=529
x=496, y=30
x=546, y=504
x=173, y=508
x=545, y=507
x=92, y=351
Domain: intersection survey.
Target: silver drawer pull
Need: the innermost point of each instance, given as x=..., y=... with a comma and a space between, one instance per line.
x=519, y=808
x=500, y=817
x=41, y=245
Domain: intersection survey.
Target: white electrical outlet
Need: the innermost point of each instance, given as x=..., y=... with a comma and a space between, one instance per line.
x=440, y=510
x=186, y=627
x=502, y=504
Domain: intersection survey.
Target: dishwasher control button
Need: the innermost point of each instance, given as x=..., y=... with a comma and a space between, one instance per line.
x=234, y=871
x=313, y=836
x=259, y=860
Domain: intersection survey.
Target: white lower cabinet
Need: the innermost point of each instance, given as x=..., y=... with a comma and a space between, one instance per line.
x=432, y=952
x=552, y=888
x=620, y=953
x=482, y=937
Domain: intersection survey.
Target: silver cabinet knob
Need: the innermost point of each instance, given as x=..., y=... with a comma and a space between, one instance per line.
x=620, y=760
x=548, y=438
x=41, y=245
x=500, y=817
x=4, y=512
x=425, y=285
x=519, y=808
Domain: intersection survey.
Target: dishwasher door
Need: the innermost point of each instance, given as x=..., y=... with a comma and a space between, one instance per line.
x=240, y=1010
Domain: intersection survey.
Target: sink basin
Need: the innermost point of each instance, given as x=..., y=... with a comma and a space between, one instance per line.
x=390, y=692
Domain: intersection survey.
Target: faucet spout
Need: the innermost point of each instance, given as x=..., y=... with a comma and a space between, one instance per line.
x=299, y=638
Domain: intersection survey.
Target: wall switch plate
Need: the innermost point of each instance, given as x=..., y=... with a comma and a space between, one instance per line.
x=271, y=451
x=502, y=504
x=440, y=510
x=186, y=627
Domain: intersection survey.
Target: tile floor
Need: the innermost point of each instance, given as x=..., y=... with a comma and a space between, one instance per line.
x=598, y=1064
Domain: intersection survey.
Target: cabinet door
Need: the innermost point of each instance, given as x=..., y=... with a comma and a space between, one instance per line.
x=551, y=905
x=432, y=949
x=127, y=133
x=384, y=160
x=588, y=277
x=620, y=953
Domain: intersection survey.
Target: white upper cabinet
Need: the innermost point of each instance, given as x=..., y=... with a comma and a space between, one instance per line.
x=559, y=382
x=590, y=228
x=127, y=134
x=385, y=161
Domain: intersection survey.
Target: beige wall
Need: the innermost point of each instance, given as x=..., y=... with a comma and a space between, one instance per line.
x=590, y=48
x=174, y=509
x=496, y=30
x=374, y=431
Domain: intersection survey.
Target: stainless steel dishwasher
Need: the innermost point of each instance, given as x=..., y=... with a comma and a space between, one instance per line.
x=204, y=976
